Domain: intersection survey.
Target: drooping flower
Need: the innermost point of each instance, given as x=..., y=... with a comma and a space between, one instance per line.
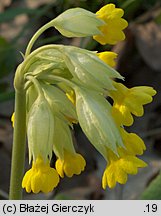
x=112, y=30
x=95, y=119
x=88, y=70
x=41, y=177
x=129, y=101
x=71, y=164
x=108, y=57
x=58, y=101
x=119, y=167
x=40, y=136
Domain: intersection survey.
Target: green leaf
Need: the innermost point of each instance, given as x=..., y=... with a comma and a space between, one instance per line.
x=153, y=192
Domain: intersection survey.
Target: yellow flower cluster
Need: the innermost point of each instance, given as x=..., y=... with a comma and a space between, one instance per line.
x=42, y=178
x=126, y=163
x=125, y=103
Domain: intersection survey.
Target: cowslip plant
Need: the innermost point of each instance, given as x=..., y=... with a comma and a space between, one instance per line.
x=57, y=86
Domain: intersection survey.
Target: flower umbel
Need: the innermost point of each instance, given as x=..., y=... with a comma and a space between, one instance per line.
x=114, y=24
x=41, y=177
x=63, y=85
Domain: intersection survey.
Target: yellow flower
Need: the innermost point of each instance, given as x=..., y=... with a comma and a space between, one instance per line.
x=133, y=143
x=13, y=119
x=70, y=165
x=114, y=24
x=129, y=101
x=108, y=57
x=119, y=167
x=41, y=177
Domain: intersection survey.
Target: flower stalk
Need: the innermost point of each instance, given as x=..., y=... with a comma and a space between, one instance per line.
x=35, y=37
x=19, y=143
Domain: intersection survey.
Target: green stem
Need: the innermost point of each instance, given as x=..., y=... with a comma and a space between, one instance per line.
x=18, y=150
x=35, y=37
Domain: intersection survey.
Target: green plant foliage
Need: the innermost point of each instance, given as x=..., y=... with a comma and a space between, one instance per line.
x=153, y=192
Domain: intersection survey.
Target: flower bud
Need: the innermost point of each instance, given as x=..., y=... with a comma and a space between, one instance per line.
x=88, y=69
x=49, y=62
x=40, y=129
x=62, y=138
x=77, y=22
x=59, y=101
x=94, y=115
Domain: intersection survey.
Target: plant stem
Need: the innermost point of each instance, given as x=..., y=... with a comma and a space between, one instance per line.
x=35, y=37
x=19, y=143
